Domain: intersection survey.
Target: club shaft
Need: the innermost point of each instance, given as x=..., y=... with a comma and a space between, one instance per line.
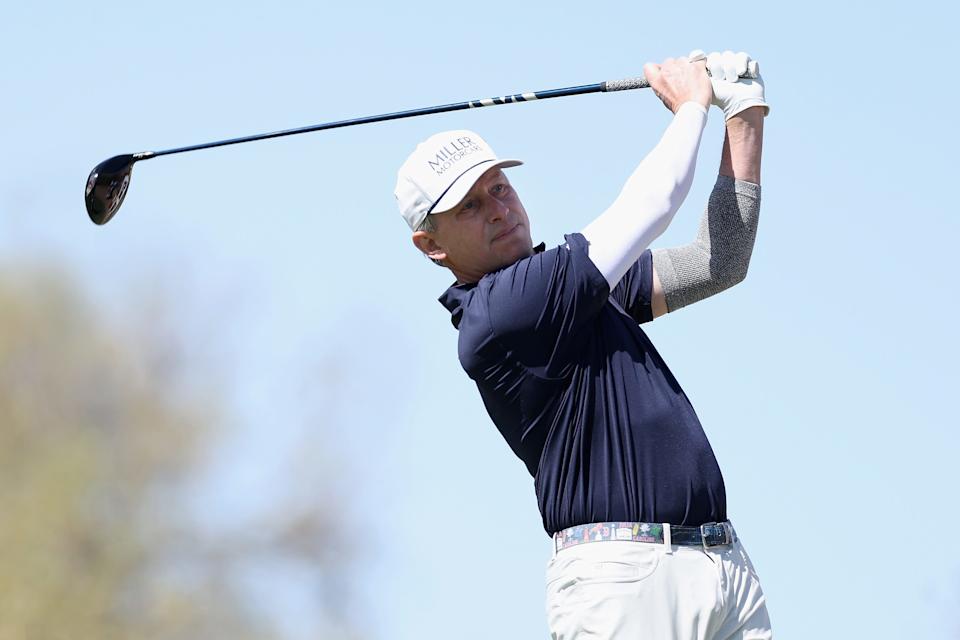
x=458, y=106
x=625, y=84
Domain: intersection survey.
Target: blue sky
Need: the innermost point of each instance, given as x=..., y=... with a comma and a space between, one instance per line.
x=826, y=382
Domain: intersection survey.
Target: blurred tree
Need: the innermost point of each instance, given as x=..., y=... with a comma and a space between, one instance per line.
x=96, y=443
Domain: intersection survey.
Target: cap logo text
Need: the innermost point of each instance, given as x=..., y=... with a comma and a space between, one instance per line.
x=451, y=152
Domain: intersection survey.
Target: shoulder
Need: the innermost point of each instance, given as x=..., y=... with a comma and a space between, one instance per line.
x=543, y=268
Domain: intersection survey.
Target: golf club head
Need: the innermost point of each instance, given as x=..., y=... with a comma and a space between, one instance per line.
x=107, y=187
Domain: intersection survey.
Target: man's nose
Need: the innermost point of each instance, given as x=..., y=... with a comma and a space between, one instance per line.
x=498, y=209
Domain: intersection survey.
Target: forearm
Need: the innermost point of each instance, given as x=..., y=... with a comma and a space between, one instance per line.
x=743, y=146
x=649, y=199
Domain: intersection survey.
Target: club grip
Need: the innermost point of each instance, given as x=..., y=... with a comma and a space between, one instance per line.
x=639, y=82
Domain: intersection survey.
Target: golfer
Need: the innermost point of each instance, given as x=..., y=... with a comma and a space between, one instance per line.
x=626, y=481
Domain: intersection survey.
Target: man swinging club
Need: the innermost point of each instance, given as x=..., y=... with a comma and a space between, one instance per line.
x=626, y=481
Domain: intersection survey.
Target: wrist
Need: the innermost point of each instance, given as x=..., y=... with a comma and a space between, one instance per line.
x=692, y=105
x=749, y=117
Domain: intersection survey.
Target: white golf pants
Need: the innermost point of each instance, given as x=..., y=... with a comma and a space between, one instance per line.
x=623, y=590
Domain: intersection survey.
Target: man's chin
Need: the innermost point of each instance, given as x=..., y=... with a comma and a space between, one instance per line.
x=517, y=251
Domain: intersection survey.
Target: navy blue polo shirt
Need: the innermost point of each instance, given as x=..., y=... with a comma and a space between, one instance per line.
x=580, y=393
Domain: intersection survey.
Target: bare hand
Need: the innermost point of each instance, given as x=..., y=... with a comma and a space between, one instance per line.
x=678, y=80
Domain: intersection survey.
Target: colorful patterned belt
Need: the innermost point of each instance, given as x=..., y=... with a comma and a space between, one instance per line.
x=711, y=534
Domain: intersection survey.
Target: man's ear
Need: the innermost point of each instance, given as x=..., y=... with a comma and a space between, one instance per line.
x=425, y=242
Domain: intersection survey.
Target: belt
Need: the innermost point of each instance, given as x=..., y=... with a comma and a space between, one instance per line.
x=710, y=534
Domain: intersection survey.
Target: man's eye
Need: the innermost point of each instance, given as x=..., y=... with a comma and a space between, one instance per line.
x=469, y=205
x=500, y=188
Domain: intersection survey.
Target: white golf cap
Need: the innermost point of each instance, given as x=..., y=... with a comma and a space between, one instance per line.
x=440, y=172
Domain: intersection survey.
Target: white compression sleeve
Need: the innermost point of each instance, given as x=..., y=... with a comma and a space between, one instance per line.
x=649, y=199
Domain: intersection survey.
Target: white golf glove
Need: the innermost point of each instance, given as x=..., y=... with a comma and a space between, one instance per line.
x=732, y=93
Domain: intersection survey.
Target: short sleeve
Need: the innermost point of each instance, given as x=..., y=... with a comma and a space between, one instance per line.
x=635, y=290
x=540, y=306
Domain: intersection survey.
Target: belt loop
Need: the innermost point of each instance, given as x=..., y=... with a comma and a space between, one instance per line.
x=553, y=546
x=667, y=539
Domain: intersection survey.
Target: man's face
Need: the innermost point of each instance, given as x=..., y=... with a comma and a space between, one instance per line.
x=486, y=231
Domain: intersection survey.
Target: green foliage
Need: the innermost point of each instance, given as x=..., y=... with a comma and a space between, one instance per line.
x=93, y=447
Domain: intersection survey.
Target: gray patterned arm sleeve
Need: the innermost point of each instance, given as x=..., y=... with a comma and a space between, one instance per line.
x=719, y=256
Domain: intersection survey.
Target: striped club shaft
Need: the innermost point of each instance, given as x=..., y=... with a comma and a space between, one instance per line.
x=537, y=95
x=616, y=85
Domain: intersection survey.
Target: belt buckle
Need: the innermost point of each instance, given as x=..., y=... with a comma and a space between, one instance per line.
x=716, y=530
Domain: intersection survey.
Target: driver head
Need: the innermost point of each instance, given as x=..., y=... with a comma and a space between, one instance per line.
x=107, y=186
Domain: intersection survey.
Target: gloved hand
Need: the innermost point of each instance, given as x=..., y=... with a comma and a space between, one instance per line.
x=732, y=93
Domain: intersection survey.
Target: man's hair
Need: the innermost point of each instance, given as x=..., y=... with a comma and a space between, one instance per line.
x=429, y=226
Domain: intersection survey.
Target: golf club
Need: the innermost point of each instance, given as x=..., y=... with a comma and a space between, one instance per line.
x=109, y=181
